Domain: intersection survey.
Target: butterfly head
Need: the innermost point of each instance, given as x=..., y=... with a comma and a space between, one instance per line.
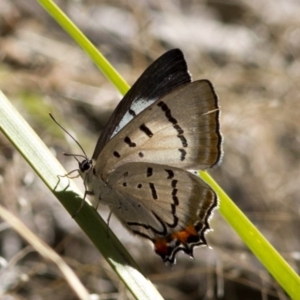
x=85, y=167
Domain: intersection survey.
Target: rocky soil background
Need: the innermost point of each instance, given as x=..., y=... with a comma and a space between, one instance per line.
x=248, y=49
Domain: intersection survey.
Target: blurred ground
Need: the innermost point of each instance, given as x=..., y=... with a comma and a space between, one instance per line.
x=248, y=49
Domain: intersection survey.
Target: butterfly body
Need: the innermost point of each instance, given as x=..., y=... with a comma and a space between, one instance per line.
x=143, y=165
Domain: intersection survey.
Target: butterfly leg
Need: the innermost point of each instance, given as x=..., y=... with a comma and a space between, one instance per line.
x=68, y=175
x=82, y=202
x=108, y=219
x=58, y=181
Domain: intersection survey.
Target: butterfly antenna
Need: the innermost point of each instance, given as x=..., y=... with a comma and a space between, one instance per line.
x=75, y=156
x=85, y=156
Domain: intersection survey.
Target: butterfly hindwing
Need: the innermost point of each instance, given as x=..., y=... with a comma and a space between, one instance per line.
x=180, y=130
x=167, y=205
x=165, y=74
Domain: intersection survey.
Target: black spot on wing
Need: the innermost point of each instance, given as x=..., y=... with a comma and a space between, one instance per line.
x=178, y=129
x=175, y=218
x=153, y=190
x=128, y=141
x=182, y=154
x=183, y=140
x=193, y=239
x=141, y=154
x=174, y=197
x=149, y=172
x=176, y=126
x=170, y=174
x=198, y=226
x=146, y=130
x=174, y=183
x=117, y=154
x=132, y=112
x=174, y=191
x=167, y=111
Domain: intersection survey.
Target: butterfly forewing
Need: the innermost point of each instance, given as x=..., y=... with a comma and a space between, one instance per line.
x=167, y=205
x=164, y=75
x=180, y=130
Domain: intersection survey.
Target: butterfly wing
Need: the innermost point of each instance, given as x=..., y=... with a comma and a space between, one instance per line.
x=167, y=205
x=165, y=74
x=180, y=129
x=164, y=126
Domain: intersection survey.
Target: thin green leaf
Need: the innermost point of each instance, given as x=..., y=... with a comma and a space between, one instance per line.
x=48, y=168
x=256, y=242
x=101, y=62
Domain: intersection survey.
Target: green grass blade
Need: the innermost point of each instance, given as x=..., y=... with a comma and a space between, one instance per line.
x=256, y=242
x=100, y=61
x=26, y=141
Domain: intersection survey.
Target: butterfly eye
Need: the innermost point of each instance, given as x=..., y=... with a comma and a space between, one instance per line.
x=85, y=165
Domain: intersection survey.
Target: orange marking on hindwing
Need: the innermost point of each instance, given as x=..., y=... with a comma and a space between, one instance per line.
x=184, y=234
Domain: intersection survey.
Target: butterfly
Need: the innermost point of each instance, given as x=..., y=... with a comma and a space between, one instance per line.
x=144, y=165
